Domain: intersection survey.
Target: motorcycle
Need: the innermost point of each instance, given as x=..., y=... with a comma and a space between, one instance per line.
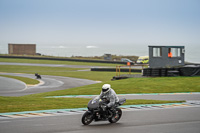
x=98, y=111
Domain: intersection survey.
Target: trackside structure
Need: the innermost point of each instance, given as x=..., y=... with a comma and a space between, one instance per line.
x=166, y=56
x=169, y=61
x=22, y=49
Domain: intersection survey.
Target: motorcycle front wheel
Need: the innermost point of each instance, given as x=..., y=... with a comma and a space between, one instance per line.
x=87, y=118
x=116, y=116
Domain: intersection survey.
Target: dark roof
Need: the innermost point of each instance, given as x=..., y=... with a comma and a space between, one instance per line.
x=166, y=46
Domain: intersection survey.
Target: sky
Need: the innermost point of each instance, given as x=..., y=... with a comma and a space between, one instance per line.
x=100, y=22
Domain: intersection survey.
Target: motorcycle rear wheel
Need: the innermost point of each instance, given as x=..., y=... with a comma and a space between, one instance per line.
x=117, y=115
x=87, y=118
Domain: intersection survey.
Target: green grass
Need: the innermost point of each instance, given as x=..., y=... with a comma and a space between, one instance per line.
x=126, y=86
x=136, y=85
x=34, y=69
x=28, y=81
x=55, y=62
x=132, y=85
x=18, y=104
x=59, y=71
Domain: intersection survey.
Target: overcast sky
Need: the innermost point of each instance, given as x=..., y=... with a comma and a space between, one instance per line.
x=100, y=22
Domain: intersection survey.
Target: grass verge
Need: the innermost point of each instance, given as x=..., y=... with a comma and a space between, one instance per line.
x=136, y=85
x=28, y=81
x=59, y=71
x=56, y=62
x=18, y=104
x=126, y=86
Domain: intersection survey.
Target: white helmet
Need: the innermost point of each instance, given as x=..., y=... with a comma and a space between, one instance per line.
x=106, y=88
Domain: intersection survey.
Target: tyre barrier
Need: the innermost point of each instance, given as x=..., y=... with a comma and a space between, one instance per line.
x=114, y=70
x=188, y=70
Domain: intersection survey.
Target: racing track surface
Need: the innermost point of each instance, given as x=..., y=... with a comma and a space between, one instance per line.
x=47, y=65
x=12, y=87
x=48, y=83
x=167, y=120
x=9, y=85
x=172, y=120
x=57, y=65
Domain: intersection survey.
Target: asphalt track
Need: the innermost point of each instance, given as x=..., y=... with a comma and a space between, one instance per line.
x=48, y=83
x=57, y=65
x=177, y=97
x=47, y=65
x=10, y=85
x=172, y=120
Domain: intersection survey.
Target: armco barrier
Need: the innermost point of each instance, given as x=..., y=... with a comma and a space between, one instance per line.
x=63, y=59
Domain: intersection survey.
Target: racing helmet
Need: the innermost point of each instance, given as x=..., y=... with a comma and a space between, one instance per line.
x=106, y=88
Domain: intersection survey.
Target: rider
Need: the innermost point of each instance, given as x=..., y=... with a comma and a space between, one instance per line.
x=108, y=93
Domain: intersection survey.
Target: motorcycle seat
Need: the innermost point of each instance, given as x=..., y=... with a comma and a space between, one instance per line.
x=122, y=101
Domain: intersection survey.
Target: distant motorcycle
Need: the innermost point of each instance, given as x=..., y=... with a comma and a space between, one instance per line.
x=98, y=111
x=38, y=76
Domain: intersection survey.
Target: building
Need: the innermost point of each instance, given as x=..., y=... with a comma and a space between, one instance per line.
x=169, y=61
x=166, y=56
x=22, y=49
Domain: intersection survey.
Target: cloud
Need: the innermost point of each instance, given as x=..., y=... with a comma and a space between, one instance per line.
x=91, y=47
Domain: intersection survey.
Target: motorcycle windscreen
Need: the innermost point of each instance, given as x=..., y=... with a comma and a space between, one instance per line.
x=93, y=104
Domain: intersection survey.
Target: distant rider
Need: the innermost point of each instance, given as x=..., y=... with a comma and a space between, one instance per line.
x=108, y=93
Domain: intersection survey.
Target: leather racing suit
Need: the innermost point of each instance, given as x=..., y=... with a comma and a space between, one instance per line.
x=110, y=96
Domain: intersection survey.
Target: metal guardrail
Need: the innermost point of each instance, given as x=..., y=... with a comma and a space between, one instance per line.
x=63, y=59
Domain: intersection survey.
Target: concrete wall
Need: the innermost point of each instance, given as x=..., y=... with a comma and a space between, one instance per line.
x=164, y=61
x=22, y=49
